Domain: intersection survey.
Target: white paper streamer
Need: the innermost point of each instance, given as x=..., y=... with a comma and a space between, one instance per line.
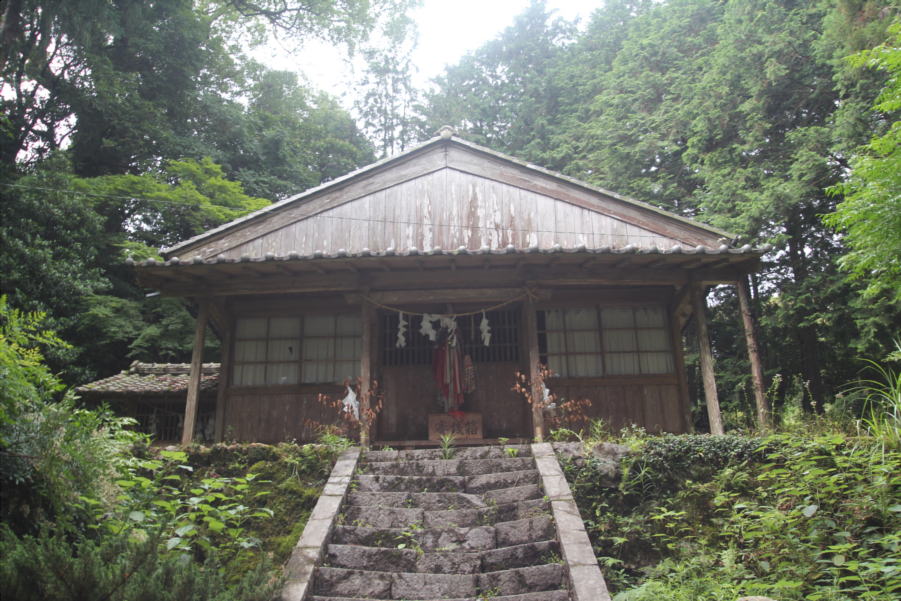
x=401, y=332
x=486, y=330
x=426, y=328
x=350, y=402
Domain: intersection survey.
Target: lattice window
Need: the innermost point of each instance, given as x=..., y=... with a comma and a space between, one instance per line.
x=595, y=341
x=290, y=350
x=504, y=345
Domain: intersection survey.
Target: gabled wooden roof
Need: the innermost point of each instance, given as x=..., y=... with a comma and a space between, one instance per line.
x=453, y=195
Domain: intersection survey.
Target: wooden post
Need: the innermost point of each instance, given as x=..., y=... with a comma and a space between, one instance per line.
x=534, y=372
x=679, y=365
x=187, y=433
x=224, y=379
x=760, y=400
x=365, y=373
x=706, y=356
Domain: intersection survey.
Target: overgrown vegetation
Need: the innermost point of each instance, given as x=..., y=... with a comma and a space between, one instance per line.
x=90, y=511
x=812, y=515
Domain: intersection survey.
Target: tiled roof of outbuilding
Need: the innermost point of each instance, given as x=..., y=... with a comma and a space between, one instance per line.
x=152, y=379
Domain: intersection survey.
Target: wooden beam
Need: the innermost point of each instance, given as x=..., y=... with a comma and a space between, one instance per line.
x=225, y=364
x=542, y=275
x=747, y=318
x=367, y=318
x=706, y=359
x=187, y=433
x=534, y=371
x=443, y=295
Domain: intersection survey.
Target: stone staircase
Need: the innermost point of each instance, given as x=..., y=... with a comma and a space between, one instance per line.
x=416, y=526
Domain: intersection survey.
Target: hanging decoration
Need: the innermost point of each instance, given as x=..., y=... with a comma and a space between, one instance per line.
x=426, y=328
x=351, y=404
x=401, y=331
x=447, y=369
x=485, y=328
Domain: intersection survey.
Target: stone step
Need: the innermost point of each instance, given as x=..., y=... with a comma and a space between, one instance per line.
x=480, y=538
x=396, y=585
x=475, y=538
x=520, y=532
x=521, y=556
x=377, y=483
x=420, y=500
x=402, y=560
x=486, y=482
x=493, y=452
x=450, y=467
x=470, y=484
x=400, y=517
x=523, y=580
x=446, y=500
x=502, y=496
x=356, y=557
x=409, y=585
x=559, y=595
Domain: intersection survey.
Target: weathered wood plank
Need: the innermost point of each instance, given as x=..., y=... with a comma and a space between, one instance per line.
x=392, y=175
x=498, y=170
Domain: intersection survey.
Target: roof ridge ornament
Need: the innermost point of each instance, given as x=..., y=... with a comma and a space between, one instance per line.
x=446, y=132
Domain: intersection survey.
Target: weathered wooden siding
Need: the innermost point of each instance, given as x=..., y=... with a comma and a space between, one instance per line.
x=410, y=397
x=273, y=416
x=654, y=406
x=448, y=209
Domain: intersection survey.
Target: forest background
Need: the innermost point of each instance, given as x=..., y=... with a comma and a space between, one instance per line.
x=131, y=125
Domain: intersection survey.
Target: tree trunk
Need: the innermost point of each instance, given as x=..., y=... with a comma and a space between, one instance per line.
x=747, y=318
x=813, y=396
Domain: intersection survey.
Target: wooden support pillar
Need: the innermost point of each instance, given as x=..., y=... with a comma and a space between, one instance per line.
x=534, y=372
x=706, y=357
x=224, y=379
x=747, y=318
x=367, y=319
x=187, y=433
x=679, y=364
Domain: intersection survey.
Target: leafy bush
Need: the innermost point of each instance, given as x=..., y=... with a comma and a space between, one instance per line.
x=790, y=516
x=116, y=567
x=51, y=451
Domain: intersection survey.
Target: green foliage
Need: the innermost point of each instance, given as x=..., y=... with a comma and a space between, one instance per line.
x=184, y=199
x=791, y=516
x=52, y=450
x=880, y=402
x=504, y=95
x=870, y=211
x=118, y=568
x=199, y=518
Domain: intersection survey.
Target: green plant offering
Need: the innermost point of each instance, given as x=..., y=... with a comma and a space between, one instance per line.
x=448, y=442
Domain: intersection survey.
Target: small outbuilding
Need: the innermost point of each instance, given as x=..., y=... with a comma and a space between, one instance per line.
x=154, y=395
x=439, y=274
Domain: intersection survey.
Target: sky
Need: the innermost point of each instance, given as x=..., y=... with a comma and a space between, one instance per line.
x=448, y=29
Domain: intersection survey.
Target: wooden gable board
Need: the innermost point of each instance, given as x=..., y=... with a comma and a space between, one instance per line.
x=448, y=194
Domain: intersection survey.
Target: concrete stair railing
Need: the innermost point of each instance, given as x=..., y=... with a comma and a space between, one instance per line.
x=489, y=523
